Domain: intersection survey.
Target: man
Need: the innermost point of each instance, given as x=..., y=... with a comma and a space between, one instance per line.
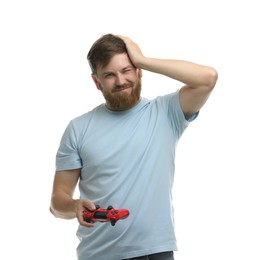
x=122, y=152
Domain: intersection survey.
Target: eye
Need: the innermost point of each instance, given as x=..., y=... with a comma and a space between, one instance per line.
x=127, y=70
x=109, y=75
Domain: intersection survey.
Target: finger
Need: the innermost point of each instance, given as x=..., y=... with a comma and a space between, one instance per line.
x=86, y=224
x=84, y=205
x=89, y=205
x=126, y=40
x=82, y=221
x=121, y=36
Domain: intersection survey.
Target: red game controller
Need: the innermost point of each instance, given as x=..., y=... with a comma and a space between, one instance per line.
x=105, y=215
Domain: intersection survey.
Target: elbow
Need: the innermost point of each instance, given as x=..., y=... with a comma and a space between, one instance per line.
x=53, y=211
x=60, y=210
x=58, y=214
x=212, y=78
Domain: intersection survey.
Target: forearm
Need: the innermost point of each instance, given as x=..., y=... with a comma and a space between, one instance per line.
x=189, y=73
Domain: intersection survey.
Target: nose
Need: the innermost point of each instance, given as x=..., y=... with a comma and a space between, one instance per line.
x=120, y=80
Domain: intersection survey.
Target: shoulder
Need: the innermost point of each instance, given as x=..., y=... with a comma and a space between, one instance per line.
x=78, y=125
x=86, y=117
x=168, y=102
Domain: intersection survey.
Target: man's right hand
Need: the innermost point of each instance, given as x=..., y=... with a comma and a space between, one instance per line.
x=80, y=206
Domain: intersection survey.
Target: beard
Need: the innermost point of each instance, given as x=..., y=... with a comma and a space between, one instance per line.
x=120, y=100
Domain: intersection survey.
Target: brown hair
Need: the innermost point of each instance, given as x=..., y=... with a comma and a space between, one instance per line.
x=103, y=50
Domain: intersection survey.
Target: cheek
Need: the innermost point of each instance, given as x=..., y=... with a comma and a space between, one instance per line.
x=99, y=86
x=105, y=88
x=107, y=83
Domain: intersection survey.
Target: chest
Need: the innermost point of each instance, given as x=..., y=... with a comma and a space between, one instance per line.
x=114, y=140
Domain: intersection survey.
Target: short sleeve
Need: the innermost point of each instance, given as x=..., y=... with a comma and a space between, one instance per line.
x=170, y=103
x=67, y=157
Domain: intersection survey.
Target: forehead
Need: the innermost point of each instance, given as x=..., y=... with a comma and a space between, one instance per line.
x=117, y=63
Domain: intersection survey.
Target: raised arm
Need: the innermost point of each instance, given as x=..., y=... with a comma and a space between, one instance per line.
x=199, y=80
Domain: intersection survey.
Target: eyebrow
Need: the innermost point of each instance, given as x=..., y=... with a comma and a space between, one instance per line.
x=128, y=67
x=123, y=69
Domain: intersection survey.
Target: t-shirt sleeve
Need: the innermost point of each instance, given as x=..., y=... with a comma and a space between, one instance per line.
x=175, y=113
x=67, y=157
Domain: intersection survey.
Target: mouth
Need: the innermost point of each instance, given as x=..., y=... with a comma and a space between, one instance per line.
x=120, y=89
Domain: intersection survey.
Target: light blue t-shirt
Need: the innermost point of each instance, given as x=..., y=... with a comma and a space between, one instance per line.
x=127, y=160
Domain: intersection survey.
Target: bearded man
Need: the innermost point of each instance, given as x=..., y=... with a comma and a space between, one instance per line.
x=122, y=153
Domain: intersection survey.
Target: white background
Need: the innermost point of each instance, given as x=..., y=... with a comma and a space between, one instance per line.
x=220, y=188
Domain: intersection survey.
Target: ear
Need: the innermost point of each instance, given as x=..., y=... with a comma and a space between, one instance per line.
x=96, y=80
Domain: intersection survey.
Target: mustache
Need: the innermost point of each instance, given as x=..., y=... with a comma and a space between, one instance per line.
x=119, y=87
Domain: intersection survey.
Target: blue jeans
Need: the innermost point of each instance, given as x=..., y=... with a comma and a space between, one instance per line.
x=158, y=256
